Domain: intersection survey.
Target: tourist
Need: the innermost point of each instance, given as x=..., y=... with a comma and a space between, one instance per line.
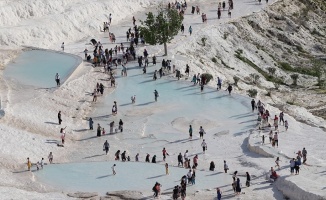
x=86, y=53
x=157, y=189
x=187, y=70
x=297, y=164
x=292, y=165
x=281, y=117
x=111, y=127
x=106, y=147
x=189, y=176
x=193, y=176
x=277, y=162
x=63, y=46
x=123, y=156
x=190, y=132
x=304, y=154
x=219, y=193
x=165, y=153
x=57, y=79
x=63, y=135
x=99, y=130
x=137, y=157
x=190, y=30
x=113, y=169
x=276, y=122
x=133, y=99
x=103, y=131
x=154, y=159
x=42, y=163
x=59, y=117
x=248, y=179
x=166, y=169
x=29, y=164
x=50, y=157
x=234, y=176
x=90, y=122
x=226, y=167
x=270, y=136
x=273, y=175
x=147, y=158
x=263, y=139
x=156, y=95
x=195, y=160
x=204, y=146
x=121, y=125
x=229, y=89
x=238, y=187
x=286, y=124
x=253, y=105
x=117, y=155
x=276, y=139
x=95, y=95
x=180, y=160
x=212, y=166
x=201, y=132
x=219, y=83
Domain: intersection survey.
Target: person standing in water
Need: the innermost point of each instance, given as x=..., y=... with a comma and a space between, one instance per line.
x=57, y=79
x=156, y=94
x=253, y=105
x=229, y=89
x=113, y=170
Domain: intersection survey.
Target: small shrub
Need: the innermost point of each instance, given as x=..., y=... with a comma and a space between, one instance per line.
x=214, y=60
x=252, y=93
x=286, y=66
x=236, y=80
x=271, y=70
x=207, y=76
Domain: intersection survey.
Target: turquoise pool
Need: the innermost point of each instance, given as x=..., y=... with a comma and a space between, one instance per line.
x=38, y=68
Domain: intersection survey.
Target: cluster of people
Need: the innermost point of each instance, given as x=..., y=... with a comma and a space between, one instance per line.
x=39, y=164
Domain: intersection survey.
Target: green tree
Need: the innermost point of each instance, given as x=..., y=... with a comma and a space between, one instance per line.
x=236, y=80
x=161, y=28
x=320, y=70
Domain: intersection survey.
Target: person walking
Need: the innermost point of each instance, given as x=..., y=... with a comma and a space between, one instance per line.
x=281, y=117
x=248, y=179
x=63, y=135
x=165, y=153
x=277, y=162
x=63, y=46
x=113, y=169
x=204, y=146
x=50, y=157
x=226, y=167
x=219, y=193
x=190, y=131
x=286, y=125
x=90, y=123
x=166, y=169
x=304, y=155
x=180, y=160
x=59, y=117
x=201, y=132
x=106, y=147
x=121, y=125
x=137, y=157
x=276, y=139
x=111, y=127
x=219, y=83
x=253, y=105
x=230, y=89
x=190, y=30
x=57, y=79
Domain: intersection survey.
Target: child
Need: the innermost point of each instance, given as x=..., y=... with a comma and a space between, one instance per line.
x=286, y=124
x=166, y=169
x=103, y=131
x=113, y=169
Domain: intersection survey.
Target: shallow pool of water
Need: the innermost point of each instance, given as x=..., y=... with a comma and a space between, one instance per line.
x=38, y=68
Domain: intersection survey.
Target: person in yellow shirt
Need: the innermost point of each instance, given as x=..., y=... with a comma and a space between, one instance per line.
x=29, y=164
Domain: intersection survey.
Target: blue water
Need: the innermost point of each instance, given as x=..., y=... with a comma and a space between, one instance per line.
x=38, y=68
x=97, y=176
